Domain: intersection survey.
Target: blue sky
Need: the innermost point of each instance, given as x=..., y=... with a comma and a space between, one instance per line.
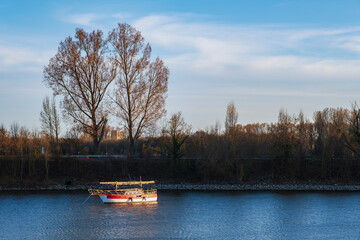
x=263, y=55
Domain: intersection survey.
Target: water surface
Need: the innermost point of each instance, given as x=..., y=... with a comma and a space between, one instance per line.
x=188, y=215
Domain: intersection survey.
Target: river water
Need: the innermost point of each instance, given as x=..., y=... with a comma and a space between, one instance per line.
x=184, y=215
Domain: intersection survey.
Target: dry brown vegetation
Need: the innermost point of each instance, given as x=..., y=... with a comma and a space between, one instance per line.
x=292, y=149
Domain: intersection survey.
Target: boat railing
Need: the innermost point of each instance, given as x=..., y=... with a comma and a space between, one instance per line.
x=101, y=191
x=148, y=191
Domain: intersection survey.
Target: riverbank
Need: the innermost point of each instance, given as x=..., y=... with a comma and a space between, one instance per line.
x=201, y=187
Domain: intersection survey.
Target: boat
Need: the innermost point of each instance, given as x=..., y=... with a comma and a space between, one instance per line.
x=120, y=195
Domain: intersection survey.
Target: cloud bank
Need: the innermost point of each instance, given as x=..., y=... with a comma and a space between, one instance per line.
x=263, y=52
x=261, y=67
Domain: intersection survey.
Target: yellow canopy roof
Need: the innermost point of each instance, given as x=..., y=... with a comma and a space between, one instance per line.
x=128, y=183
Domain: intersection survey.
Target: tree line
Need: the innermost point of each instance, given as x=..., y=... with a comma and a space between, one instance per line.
x=291, y=149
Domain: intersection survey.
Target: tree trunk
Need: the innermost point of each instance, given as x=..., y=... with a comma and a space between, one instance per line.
x=29, y=161
x=96, y=145
x=132, y=147
x=98, y=139
x=22, y=164
x=46, y=167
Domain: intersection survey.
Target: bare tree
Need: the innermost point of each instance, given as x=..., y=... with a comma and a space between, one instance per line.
x=352, y=136
x=141, y=84
x=231, y=118
x=284, y=132
x=322, y=143
x=50, y=120
x=14, y=130
x=81, y=72
x=215, y=129
x=3, y=139
x=179, y=131
x=23, y=146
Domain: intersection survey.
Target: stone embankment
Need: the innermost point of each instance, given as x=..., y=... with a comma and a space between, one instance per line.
x=202, y=187
x=257, y=187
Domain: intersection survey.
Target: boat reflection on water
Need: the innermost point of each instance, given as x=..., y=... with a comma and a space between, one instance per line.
x=128, y=206
x=126, y=220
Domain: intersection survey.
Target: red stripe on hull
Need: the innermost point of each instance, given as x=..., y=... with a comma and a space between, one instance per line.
x=120, y=196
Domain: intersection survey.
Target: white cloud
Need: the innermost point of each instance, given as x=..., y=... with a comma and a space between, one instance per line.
x=85, y=19
x=95, y=20
x=261, y=67
x=351, y=43
x=257, y=51
x=23, y=58
x=121, y=15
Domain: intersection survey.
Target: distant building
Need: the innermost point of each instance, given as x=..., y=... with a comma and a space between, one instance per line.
x=117, y=134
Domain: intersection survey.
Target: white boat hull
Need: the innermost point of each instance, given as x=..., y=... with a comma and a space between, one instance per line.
x=105, y=199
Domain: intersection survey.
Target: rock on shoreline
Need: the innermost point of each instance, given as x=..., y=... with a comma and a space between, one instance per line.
x=203, y=187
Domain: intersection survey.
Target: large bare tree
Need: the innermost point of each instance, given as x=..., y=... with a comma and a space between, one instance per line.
x=81, y=72
x=141, y=83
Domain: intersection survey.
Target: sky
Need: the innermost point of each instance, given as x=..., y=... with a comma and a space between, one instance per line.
x=263, y=55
